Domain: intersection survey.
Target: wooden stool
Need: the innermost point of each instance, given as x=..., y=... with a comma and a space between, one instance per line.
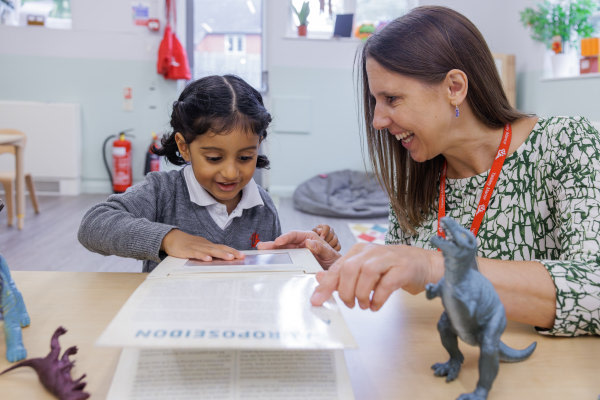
x=12, y=141
x=7, y=180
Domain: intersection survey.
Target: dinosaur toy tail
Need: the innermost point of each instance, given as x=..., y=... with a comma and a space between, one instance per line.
x=25, y=363
x=508, y=354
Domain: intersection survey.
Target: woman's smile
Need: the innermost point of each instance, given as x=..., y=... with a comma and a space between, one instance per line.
x=406, y=136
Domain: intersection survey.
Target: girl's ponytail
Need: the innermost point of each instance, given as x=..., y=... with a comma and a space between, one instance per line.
x=262, y=161
x=169, y=149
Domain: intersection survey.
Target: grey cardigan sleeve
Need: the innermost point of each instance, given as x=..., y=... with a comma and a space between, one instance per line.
x=124, y=225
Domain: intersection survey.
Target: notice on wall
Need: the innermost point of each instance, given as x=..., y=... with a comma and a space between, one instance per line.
x=144, y=11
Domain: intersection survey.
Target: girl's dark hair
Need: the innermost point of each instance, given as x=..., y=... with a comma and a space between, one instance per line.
x=426, y=44
x=217, y=104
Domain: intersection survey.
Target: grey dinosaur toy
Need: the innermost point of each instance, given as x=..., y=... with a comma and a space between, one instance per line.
x=473, y=311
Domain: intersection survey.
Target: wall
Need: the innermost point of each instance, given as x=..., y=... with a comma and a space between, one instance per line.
x=312, y=93
x=103, y=53
x=500, y=25
x=91, y=65
x=312, y=98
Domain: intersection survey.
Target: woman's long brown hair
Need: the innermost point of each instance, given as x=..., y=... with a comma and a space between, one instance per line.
x=426, y=44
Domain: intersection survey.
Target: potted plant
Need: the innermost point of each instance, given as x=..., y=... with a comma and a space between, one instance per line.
x=302, y=17
x=560, y=26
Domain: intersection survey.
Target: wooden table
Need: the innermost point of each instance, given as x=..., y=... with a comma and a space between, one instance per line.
x=18, y=141
x=397, y=345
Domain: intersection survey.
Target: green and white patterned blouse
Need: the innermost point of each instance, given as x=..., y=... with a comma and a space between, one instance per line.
x=545, y=207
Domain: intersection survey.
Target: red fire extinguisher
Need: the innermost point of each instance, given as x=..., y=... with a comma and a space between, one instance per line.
x=152, y=159
x=121, y=176
x=121, y=155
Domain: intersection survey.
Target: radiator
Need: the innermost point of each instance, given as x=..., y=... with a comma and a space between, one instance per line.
x=53, y=150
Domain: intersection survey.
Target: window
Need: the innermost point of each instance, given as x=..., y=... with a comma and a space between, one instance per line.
x=48, y=13
x=595, y=20
x=321, y=19
x=235, y=44
x=226, y=39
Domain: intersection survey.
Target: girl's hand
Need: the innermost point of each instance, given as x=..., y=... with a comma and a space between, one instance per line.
x=179, y=244
x=328, y=234
x=370, y=273
x=322, y=251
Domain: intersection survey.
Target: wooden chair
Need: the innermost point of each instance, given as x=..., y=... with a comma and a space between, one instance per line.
x=7, y=179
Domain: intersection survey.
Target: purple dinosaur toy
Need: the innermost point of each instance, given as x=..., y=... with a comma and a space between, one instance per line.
x=55, y=373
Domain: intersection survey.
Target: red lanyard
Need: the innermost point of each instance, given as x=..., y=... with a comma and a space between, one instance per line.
x=488, y=189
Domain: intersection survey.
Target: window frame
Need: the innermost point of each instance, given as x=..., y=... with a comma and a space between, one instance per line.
x=189, y=42
x=48, y=22
x=345, y=6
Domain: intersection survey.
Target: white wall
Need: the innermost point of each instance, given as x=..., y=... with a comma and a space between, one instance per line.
x=90, y=65
x=312, y=99
x=500, y=25
x=311, y=88
x=315, y=78
x=101, y=30
x=312, y=92
x=499, y=22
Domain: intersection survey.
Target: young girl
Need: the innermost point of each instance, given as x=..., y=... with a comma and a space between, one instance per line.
x=211, y=208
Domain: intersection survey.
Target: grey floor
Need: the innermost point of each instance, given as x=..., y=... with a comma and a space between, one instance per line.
x=48, y=240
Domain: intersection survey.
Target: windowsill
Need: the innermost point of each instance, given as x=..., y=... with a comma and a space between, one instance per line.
x=49, y=23
x=322, y=38
x=59, y=23
x=594, y=75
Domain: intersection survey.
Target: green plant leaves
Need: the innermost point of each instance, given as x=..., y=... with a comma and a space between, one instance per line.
x=570, y=20
x=302, y=14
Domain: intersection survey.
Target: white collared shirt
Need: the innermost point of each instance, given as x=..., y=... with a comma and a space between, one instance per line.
x=218, y=212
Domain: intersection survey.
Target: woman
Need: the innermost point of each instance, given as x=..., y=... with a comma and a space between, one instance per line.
x=438, y=124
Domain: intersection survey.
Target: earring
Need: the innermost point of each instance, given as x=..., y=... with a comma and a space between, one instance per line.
x=456, y=111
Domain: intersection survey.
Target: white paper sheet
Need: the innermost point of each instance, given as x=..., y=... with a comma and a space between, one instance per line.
x=251, y=375
x=229, y=310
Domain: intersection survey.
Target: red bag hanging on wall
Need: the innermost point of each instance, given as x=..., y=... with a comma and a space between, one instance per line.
x=172, y=58
x=165, y=51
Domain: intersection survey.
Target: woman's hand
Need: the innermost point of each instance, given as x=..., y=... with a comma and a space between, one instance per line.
x=328, y=234
x=370, y=273
x=179, y=244
x=322, y=251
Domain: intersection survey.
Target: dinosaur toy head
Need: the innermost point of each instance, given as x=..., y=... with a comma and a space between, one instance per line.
x=460, y=243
